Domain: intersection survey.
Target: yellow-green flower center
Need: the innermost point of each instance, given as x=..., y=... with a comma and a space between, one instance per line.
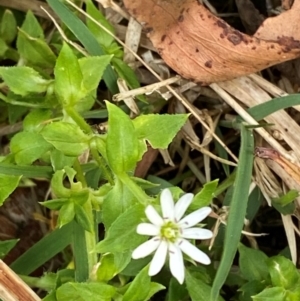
x=170, y=231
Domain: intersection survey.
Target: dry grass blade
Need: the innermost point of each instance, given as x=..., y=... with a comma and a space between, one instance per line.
x=12, y=287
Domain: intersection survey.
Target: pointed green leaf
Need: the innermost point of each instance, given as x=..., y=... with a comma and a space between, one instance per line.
x=68, y=77
x=6, y=246
x=283, y=272
x=139, y=288
x=253, y=264
x=82, y=218
x=204, y=196
x=122, y=147
x=118, y=240
x=23, y=80
x=92, y=291
x=8, y=26
x=198, y=290
x=35, y=50
x=92, y=69
x=7, y=185
x=66, y=137
x=28, y=147
x=159, y=130
x=118, y=200
x=66, y=214
x=271, y=294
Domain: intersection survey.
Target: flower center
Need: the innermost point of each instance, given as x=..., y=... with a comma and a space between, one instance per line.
x=170, y=231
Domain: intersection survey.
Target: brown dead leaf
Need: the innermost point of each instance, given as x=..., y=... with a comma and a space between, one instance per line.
x=203, y=48
x=292, y=169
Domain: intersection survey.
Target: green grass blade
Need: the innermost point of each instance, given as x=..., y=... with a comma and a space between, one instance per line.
x=80, y=254
x=43, y=250
x=263, y=110
x=26, y=171
x=87, y=39
x=237, y=213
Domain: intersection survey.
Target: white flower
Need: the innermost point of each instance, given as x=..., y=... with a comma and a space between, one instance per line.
x=170, y=233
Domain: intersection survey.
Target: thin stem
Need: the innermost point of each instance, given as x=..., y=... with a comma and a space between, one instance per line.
x=136, y=190
x=78, y=119
x=100, y=161
x=79, y=173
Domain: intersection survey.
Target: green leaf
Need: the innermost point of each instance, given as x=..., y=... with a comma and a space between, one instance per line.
x=8, y=185
x=154, y=288
x=111, y=265
x=35, y=50
x=204, y=196
x=92, y=69
x=121, y=143
x=57, y=185
x=176, y=292
x=250, y=289
x=8, y=27
x=283, y=272
x=66, y=214
x=118, y=240
x=159, y=130
x=287, y=198
x=6, y=246
x=238, y=208
x=82, y=218
x=68, y=77
x=102, y=36
x=54, y=204
x=271, y=294
x=285, y=210
x=85, y=292
x=139, y=288
x=3, y=48
x=253, y=264
x=198, y=290
x=118, y=200
x=59, y=160
x=28, y=147
x=23, y=80
x=35, y=119
x=86, y=38
x=66, y=137
x=32, y=26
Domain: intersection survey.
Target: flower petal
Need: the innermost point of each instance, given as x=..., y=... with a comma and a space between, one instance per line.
x=167, y=204
x=193, y=252
x=176, y=263
x=147, y=229
x=153, y=216
x=159, y=258
x=196, y=233
x=194, y=218
x=146, y=248
x=182, y=204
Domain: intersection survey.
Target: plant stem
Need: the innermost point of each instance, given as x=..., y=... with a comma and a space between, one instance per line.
x=100, y=161
x=78, y=119
x=136, y=190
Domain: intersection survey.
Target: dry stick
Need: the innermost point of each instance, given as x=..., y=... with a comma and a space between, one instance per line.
x=145, y=90
x=13, y=288
x=26, y=5
x=76, y=46
x=184, y=101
